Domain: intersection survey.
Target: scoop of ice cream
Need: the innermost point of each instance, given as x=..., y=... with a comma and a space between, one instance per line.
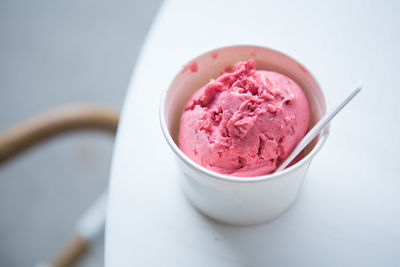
x=245, y=122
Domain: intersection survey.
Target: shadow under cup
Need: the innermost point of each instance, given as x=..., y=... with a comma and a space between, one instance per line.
x=239, y=200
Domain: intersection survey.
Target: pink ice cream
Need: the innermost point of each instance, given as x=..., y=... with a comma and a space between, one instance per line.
x=245, y=122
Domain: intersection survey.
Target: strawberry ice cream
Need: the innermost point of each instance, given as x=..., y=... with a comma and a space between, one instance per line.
x=245, y=122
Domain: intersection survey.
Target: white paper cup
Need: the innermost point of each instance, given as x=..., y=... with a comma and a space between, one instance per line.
x=239, y=200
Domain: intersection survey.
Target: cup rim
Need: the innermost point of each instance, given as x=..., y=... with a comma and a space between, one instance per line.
x=238, y=179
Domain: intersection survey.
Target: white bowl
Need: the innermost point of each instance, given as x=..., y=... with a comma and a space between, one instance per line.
x=239, y=200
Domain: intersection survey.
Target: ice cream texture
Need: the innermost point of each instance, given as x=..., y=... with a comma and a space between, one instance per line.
x=245, y=122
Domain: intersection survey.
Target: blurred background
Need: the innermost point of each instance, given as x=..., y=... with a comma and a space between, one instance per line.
x=54, y=53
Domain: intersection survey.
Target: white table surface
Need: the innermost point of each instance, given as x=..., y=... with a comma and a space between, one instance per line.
x=348, y=213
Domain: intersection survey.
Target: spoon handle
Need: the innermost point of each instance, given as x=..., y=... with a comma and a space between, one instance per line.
x=318, y=128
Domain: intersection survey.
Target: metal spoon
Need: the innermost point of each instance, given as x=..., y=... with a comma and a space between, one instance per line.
x=318, y=128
